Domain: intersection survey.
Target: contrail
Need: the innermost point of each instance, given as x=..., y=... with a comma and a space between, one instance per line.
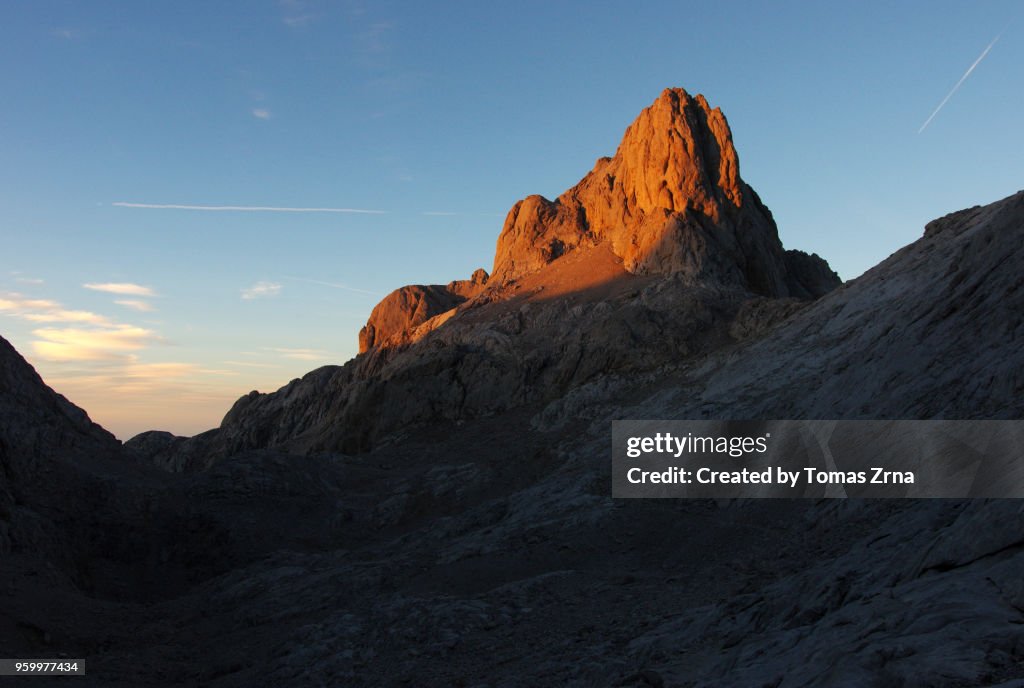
x=335, y=285
x=246, y=208
x=959, y=83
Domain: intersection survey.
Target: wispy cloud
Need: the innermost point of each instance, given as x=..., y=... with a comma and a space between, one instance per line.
x=300, y=354
x=245, y=208
x=218, y=371
x=120, y=288
x=261, y=290
x=258, y=113
x=77, y=344
x=129, y=396
x=19, y=277
x=136, y=379
x=67, y=316
x=145, y=372
x=334, y=285
x=103, y=365
x=136, y=305
x=76, y=335
x=14, y=301
x=65, y=33
x=46, y=311
x=959, y=83
x=250, y=364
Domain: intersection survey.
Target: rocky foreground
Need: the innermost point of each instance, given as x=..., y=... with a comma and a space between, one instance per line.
x=437, y=512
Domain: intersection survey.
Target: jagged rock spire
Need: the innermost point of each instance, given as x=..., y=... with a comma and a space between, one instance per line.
x=670, y=201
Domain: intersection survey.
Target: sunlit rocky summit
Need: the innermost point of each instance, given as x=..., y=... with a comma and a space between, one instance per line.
x=437, y=511
x=670, y=202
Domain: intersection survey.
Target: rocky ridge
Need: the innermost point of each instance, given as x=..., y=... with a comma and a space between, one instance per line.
x=659, y=253
x=669, y=202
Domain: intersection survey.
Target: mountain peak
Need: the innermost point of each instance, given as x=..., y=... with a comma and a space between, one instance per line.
x=679, y=153
x=670, y=201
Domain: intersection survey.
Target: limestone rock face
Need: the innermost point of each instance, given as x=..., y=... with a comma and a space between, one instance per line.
x=400, y=312
x=671, y=201
x=403, y=309
x=467, y=289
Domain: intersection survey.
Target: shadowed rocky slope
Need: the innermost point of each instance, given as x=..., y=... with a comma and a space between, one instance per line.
x=472, y=541
x=43, y=439
x=934, y=331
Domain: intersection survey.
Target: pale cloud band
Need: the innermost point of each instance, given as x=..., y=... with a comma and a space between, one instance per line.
x=136, y=305
x=261, y=290
x=75, y=344
x=76, y=335
x=245, y=208
x=300, y=354
x=121, y=288
x=46, y=311
x=101, y=364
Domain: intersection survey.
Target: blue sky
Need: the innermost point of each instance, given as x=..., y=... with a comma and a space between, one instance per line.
x=438, y=116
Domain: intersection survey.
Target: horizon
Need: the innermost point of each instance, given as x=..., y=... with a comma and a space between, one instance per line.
x=199, y=206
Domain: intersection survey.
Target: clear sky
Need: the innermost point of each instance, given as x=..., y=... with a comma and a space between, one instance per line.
x=437, y=116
